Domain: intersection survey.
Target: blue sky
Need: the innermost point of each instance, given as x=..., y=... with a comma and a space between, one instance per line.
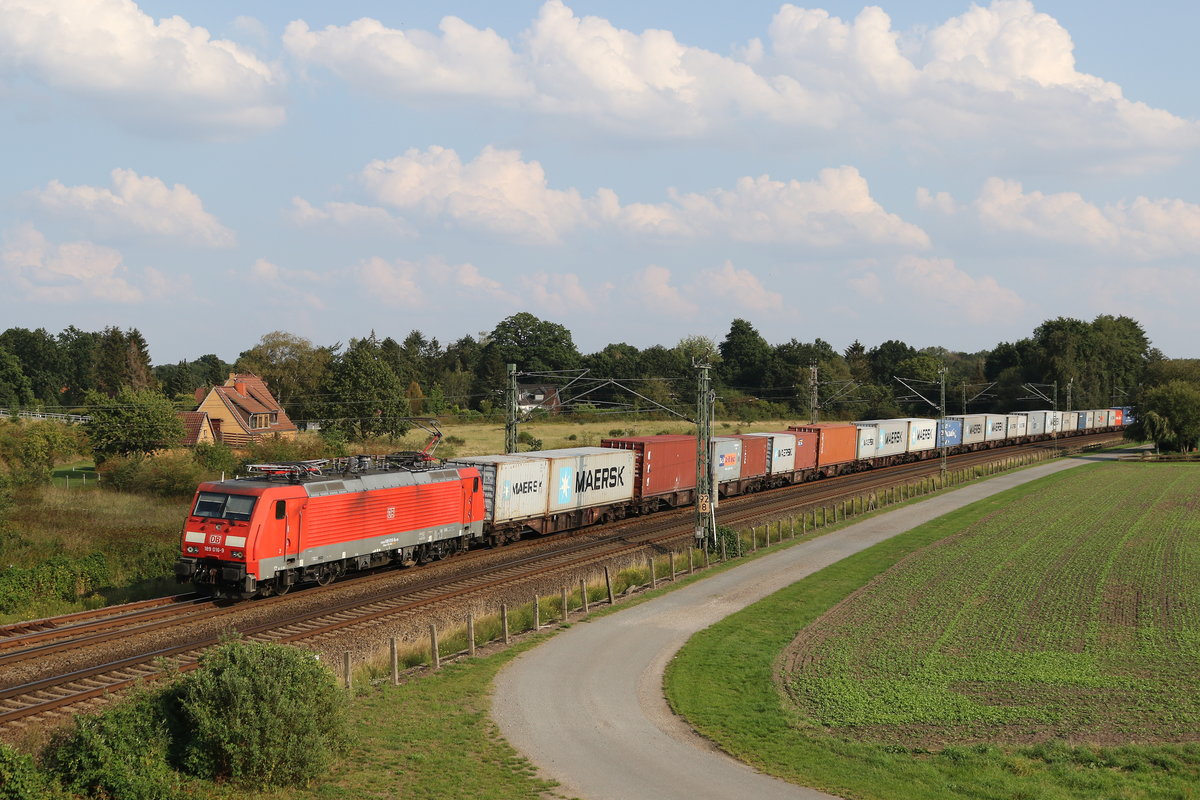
x=938, y=172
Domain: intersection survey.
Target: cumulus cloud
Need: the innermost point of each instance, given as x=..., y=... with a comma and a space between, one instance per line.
x=467, y=277
x=986, y=74
x=562, y=292
x=392, y=282
x=943, y=202
x=41, y=271
x=286, y=288
x=347, y=215
x=140, y=204
x=652, y=289
x=162, y=77
x=500, y=193
x=1142, y=228
x=946, y=288
x=741, y=286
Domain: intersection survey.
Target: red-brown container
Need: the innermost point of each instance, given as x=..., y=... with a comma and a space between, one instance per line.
x=807, y=444
x=838, y=441
x=754, y=455
x=661, y=464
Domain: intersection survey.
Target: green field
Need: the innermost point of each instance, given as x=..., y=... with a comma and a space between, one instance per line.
x=1044, y=643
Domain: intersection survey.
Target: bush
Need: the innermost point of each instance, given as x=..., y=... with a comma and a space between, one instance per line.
x=65, y=577
x=260, y=714
x=122, y=752
x=19, y=776
x=215, y=458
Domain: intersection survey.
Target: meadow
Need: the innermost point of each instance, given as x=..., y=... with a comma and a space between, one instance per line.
x=1042, y=643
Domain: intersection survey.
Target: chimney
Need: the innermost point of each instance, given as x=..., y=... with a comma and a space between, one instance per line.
x=240, y=387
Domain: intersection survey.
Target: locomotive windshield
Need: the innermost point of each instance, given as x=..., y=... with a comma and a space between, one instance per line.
x=224, y=506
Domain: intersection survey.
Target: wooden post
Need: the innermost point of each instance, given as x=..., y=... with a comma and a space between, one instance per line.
x=691, y=558
x=824, y=517
x=433, y=646
x=706, y=555
x=564, y=604
x=671, y=558
x=723, y=554
x=471, y=634
x=792, y=526
x=504, y=620
x=650, y=564
x=753, y=539
x=804, y=524
x=537, y=613
x=346, y=667
x=608, y=585
x=583, y=594
x=395, y=663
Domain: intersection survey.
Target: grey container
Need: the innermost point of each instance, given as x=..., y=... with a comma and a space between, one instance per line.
x=1018, y=425
x=781, y=452
x=997, y=428
x=1069, y=421
x=868, y=441
x=726, y=459
x=922, y=434
x=515, y=486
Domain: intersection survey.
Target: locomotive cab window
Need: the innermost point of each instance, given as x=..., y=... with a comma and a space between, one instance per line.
x=280, y=509
x=224, y=506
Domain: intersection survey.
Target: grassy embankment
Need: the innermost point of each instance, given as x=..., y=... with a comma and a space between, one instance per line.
x=983, y=654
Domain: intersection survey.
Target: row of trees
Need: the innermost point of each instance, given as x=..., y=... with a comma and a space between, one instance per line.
x=369, y=386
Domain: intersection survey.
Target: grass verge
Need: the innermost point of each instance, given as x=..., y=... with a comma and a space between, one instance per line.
x=722, y=682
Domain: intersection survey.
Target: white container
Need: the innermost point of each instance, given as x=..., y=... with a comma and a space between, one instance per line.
x=1037, y=422
x=1017, y=426
x=781, y=452
x=726, y=459
x=997, y=428
x=1068, y=421
x=893, y=436
x=581, y=477
x=868, y=436
x=922, y=434
x=514, y=486
x=974, y=427
x=1102, y=418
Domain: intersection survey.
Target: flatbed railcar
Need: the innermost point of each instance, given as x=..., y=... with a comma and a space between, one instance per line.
x=315, y=521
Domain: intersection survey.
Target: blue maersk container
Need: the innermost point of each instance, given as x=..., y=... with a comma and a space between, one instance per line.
x=949, y=432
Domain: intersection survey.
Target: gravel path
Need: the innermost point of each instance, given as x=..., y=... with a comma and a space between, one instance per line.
x=587, y=706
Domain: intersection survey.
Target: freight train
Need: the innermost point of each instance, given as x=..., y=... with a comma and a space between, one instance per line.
x=314, y=521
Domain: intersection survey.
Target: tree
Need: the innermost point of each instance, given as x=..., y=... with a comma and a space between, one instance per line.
x=79, y=350
x=1170, y=416
x=41, y=360
x=293, y=368
x=15, y=388
x=122, y=361
x=133, y=422
x=858, y=362
x=745, y=356
x=885, y=358
x=534, y=345
x=364, y=398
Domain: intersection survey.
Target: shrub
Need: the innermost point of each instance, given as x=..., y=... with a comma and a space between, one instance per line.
x=260, y=714
x=19, y=776
x=216, y=458
x=121, y=752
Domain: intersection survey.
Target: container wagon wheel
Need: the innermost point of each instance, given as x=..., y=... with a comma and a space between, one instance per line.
x=325, y=574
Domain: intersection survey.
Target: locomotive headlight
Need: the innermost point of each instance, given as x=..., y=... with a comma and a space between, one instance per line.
x=193, y=549
x=237, y=554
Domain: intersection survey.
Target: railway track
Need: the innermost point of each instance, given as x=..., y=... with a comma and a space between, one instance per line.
x=52, y=695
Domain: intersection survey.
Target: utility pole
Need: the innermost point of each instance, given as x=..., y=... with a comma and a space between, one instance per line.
x=942, y=416
x=1056, y=395
x=510, y=411
x=706, y=495
x=1069, y=385
x=814, y=401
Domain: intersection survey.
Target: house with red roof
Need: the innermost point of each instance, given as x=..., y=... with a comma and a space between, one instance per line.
x=197, y=428
x=243, y=410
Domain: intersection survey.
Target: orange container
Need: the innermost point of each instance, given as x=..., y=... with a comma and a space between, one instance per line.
x=837, y=444
x=754, y=455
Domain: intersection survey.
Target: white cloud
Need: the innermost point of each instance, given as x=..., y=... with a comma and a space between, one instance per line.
x=347, y=215
x=500, y=193
x=137, y=203
x=942, y=201
x=987, y=75
x=42, y=271
x=937, y=284
x=868, y=286
x=651, y=288
x=497, y=192
x=1142, y=228
x=834, y=210
x=742, y=287
x=468, y=277
x=285, y=288
x=561, y=292
x=163, y=77
x=393, y=282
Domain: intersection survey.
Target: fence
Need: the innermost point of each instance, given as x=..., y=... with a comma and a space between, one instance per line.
x=73, y=419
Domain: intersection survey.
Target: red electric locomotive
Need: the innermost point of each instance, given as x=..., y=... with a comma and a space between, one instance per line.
x=316, y=520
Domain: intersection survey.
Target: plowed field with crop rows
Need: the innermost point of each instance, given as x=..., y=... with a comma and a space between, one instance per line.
x=1071, y=613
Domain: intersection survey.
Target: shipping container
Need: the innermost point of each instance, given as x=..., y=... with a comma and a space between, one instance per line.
x=781, y=452
x=1053, y=422
x=754, y=455
x=662, y=464
x=893, y=436
x=726, y=458
x=582, y=477
x=1016, y=426
x=1036, y=425
x=1069, y=421
x=1101, y=417
x=837, y=442
x=1087, y=420
x=515, y=486
x=868, y=441
x=997, y=427
x=922, y=434
x=974, y=427
x=1115, y=416
x=950, y=432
